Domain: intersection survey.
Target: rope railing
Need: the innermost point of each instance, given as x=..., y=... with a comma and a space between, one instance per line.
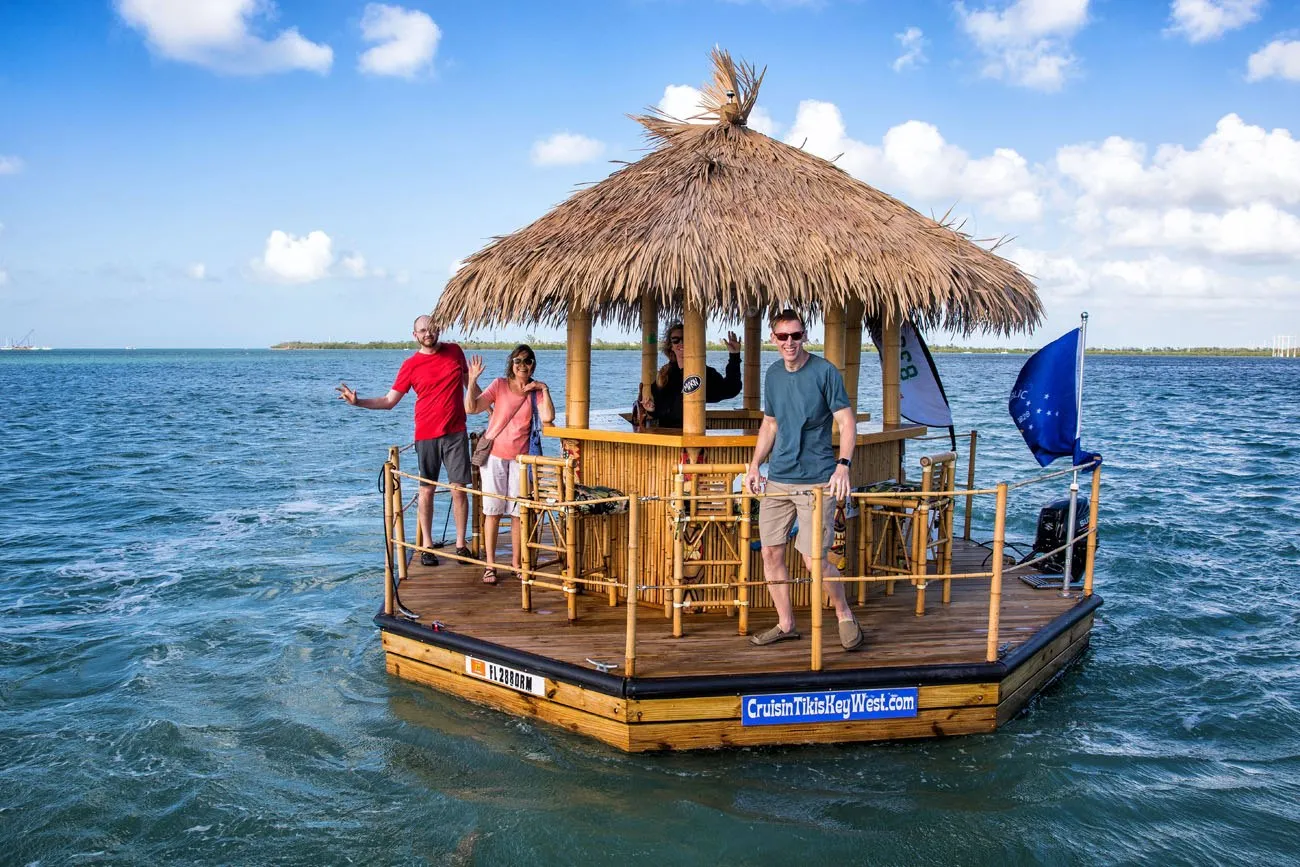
x=558, y=512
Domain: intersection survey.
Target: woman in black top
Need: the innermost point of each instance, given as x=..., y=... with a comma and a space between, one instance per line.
x=665, y=403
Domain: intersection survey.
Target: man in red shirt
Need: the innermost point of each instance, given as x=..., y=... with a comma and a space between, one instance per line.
x=439, y=373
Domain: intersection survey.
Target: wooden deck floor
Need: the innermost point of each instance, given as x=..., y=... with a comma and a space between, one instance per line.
x=948, y=634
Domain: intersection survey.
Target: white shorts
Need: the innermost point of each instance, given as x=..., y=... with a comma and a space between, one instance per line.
x=500, y=477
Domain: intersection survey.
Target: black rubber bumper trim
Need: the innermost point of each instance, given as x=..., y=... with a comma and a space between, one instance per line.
x=697, y=687
x=1053, y=630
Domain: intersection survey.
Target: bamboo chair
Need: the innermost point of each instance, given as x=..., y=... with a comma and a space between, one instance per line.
x=552, y=521
x=711, y=537
x=901, y=535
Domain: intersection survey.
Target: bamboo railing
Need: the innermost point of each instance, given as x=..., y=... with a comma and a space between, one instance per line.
x=684, y=501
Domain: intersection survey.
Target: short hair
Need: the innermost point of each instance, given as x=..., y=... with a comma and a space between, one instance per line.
x=416, y=323
x=788, y=315
x=521, y=349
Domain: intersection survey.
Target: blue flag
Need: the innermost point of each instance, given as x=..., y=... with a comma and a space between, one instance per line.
x=1043, y=402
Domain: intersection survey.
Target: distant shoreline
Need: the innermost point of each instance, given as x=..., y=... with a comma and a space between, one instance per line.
x=1195, y=351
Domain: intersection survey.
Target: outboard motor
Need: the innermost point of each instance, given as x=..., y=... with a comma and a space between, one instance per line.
x=1053, y=520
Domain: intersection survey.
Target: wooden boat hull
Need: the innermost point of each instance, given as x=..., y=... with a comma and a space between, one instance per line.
x=695, y=712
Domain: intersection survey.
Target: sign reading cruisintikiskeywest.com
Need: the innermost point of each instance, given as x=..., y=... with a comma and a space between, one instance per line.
x=817, y=707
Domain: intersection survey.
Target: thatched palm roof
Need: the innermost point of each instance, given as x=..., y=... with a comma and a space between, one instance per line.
x=736, y=221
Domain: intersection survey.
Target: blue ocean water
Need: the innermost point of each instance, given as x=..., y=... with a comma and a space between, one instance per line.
x=190, y=560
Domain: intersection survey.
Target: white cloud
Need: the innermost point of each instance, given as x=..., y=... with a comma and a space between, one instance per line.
x=197, y=271
x=1028, y=41
x=913, y=43
x=1278, y=59
x=456, y=266
x=1204, y=20
x=566, y=149
x=1258, y=231
x=216, y=34
x=683, y=102
x=10, y=165
x=1154, y=282
x=290, y=259
x=355, y=266
x=914, y=158
x=760, y=121
x=407, y=40
x=1235, y=165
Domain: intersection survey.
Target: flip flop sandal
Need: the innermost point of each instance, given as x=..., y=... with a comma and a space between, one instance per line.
x=489, y=576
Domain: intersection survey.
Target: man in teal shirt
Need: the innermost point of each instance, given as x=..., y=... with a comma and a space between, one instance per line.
x=803, y=395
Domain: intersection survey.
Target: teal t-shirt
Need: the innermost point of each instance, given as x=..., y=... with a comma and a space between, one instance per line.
x=804, y=404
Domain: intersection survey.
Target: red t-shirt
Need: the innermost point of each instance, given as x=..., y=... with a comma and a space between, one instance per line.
x=437, y=378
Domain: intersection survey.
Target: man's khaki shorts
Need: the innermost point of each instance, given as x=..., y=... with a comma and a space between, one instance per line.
x=777, y=513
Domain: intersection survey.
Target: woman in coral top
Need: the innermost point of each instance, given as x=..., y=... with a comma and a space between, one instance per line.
x=511, y=399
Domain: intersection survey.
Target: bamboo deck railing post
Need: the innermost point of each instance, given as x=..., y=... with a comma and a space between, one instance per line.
x=743, y=543
x=399, y=530
x=388, y=539
x=524, y=525
x=864, y=523
x=573, y=554
x=921, y=536
x=970, y=484
x=633, y=571
x=753, y=360
x=815, y=601
x=852, y=351
x=1092, y=529
x=693, y=369
x=995, y=584
x=577, y=368
x=679, y=543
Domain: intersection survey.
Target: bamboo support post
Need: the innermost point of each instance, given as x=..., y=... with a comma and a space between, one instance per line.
x=633, y=572
x=1092, y=530
x=753, y=360
x=833, y=339
x=889, y=348
x=649, y=342
x=995, y=583
x=693, y=369
x=815, y=598
x=742, y=593
x=388, y=540
x=577, y=369
x=679, y=543
x=524, y=526
x=399, y=523
x=852, y=351
x=970, y=481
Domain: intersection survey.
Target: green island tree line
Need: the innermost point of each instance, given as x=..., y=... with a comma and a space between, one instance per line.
x=1217, y=351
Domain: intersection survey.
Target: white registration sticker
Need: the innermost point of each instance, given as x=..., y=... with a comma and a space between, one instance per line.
x=511, y=678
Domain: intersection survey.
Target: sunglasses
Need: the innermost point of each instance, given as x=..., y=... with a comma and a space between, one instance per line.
x=676, y=340
x=783, y=336
x=521, y=362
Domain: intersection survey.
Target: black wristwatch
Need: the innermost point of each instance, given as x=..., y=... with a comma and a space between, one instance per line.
x=844, y=462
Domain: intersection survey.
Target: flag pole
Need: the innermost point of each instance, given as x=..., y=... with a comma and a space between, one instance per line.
x=1074, y=479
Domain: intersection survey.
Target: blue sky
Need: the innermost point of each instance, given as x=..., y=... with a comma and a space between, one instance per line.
x=239, y=172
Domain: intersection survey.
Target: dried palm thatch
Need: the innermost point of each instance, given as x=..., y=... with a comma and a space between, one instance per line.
x=727, y=218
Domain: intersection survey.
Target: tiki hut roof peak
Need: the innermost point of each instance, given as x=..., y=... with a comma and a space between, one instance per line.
x=723, y=217
x=727, y=99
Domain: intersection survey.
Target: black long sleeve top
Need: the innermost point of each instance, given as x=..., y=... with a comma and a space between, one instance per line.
x=668, y=398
